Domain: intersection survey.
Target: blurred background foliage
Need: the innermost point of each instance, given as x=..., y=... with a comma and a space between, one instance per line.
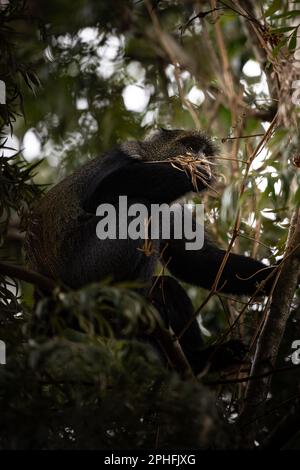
x=80, y=77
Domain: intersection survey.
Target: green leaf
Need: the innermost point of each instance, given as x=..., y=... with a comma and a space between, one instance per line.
x=284, y=29
x=293, y=40
x=275, y=6
x=287, y=14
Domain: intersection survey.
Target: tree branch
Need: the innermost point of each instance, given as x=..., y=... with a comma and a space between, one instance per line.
x=275, y=322
x=26, y=275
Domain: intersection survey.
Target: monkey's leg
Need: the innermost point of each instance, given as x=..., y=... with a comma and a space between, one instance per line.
x=176, y=310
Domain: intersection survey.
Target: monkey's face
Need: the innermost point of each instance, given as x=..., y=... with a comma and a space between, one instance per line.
x=188, y=151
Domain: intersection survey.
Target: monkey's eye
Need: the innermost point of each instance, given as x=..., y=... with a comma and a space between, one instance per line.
x=192, y=145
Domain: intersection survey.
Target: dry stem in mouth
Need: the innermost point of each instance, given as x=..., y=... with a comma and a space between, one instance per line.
x=190, y=165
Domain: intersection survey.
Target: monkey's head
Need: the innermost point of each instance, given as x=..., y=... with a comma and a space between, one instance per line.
x=189, y=151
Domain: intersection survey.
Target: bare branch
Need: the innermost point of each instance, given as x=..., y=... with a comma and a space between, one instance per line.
x=275, y=322
x=26, y=275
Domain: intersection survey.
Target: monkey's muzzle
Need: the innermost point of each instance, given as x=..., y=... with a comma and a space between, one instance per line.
x=204, y=167
x=198, y=167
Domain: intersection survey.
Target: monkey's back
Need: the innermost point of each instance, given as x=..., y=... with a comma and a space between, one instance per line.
x=61, y=240
x=55, y=217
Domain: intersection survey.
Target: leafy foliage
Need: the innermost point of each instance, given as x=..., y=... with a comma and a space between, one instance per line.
x=68, y=70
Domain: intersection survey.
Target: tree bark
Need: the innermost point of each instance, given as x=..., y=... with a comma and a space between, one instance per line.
x=274, y=326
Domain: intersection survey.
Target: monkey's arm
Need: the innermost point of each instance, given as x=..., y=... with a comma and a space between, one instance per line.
x=241, y=274
x=151, y=181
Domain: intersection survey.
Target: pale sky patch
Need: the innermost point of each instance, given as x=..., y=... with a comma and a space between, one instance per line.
x=31, y=145
x=136, y=98
x=252, y=69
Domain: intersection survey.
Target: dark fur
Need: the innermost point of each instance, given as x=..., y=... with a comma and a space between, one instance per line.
x=62, y=241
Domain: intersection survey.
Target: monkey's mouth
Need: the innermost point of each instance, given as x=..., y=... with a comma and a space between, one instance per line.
x=197, y=167
x=204, y=166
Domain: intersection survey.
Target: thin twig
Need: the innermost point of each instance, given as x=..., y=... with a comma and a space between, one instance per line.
x=27, y=275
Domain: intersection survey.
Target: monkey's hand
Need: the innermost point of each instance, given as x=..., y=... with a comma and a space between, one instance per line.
x=222, y=356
